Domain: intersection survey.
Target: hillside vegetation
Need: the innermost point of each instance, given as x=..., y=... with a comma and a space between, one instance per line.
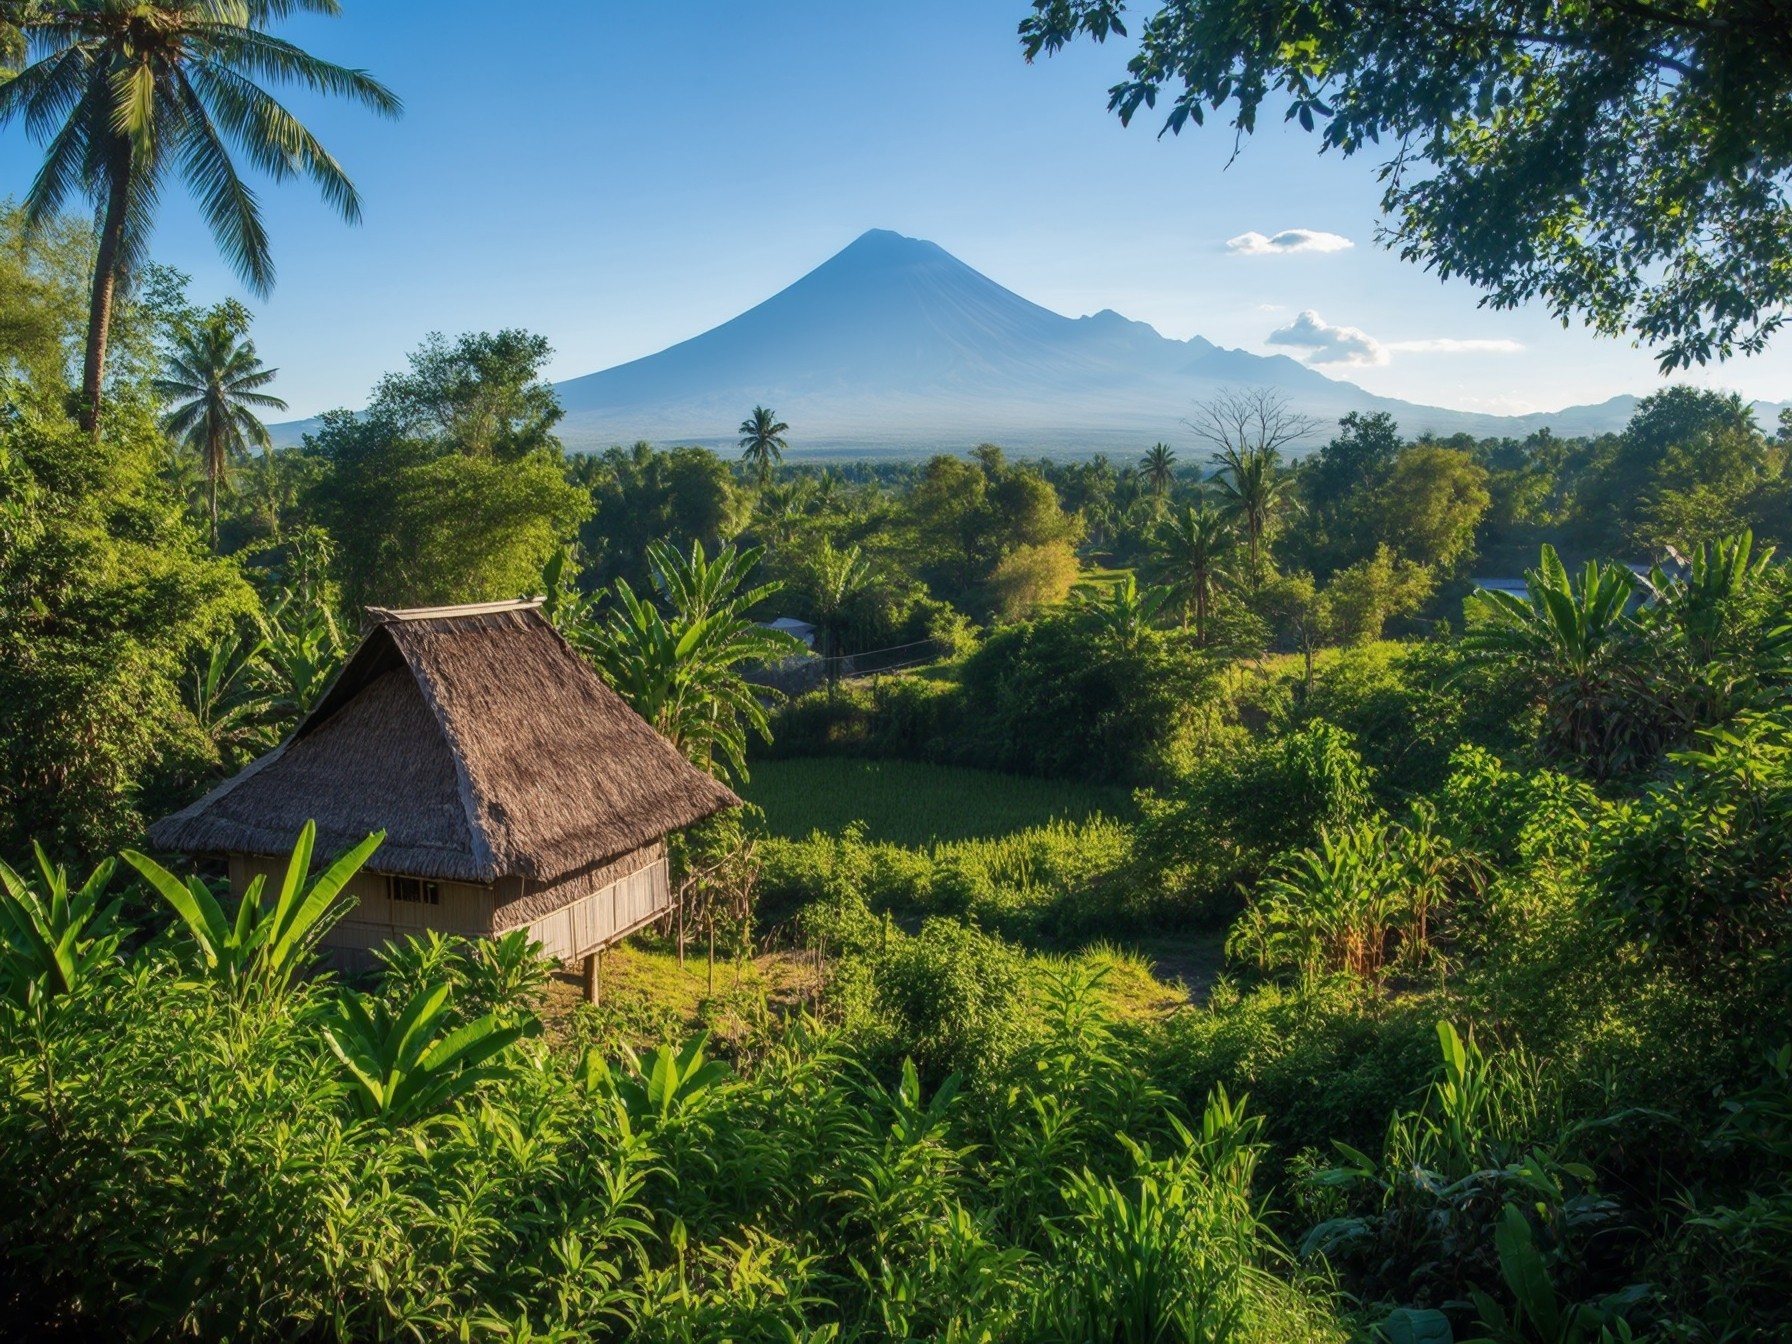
x=1501, y=1045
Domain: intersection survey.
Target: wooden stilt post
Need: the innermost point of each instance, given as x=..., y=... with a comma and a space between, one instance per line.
x=591, y=976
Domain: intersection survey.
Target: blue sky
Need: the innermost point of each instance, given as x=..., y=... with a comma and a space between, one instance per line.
x=619, y=177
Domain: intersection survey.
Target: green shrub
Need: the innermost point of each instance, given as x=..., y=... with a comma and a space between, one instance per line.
x=1409, y=705
x=901, y=717
x=1322, y=1062
x=179, y=1160
x=1700, y=869
x=1058, y=696
x=104, y=593
x=1227, y=821
x=954, y=997
x=1061, y=882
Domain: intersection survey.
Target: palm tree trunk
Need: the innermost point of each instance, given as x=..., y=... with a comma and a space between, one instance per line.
x=272, y=476
x=214, y=468
x=105, y=286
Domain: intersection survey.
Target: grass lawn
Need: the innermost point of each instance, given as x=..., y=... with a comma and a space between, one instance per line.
x=909, y=803
x=647, y=999
x=1103, y=578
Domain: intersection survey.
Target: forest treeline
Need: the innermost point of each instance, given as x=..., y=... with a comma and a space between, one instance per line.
x=450, y=485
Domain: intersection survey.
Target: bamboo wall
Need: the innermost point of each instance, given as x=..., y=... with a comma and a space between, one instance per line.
x=605, y=915
x=581, y=922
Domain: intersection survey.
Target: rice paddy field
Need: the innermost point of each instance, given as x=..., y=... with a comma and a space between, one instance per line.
x=911, y=803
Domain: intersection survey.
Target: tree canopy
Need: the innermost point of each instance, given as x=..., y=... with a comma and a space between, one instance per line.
x=124, y=97
x=1623, y=163
x=481, y=394
x=468, y=484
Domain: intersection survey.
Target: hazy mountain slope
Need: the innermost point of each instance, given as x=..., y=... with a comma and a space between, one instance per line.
x=893, y=345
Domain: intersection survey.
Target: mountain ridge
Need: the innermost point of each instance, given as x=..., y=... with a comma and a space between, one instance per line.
x=893, y=346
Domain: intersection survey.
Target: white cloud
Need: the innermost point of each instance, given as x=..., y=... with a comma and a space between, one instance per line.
x=1256, y=244
x=1327, y=344
x=1448, y=345
x=1324, y=343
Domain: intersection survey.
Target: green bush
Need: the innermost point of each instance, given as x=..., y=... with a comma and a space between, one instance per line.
x=1223, y=824
x=1409, y=705
x=955, y=998
x=1060, y=696
x=1059, y=882
x=177, y=1159
x=1700, y=868
x=1321, y=1062
x=903, y=717
x=104, y=592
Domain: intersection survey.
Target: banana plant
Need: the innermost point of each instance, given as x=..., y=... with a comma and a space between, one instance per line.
x=1581, y=647
x=52, y=939
x=1722, y=630
x=659, y=1086
x=681, y=673
x=302, y=648
x=402, y=1067
x=260, y=950
x=222, y=697
x=1128, y=611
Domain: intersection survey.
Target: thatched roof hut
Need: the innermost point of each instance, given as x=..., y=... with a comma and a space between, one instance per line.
x=512, y=784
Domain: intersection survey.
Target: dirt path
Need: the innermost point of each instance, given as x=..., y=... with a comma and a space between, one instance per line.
x=1196, y=961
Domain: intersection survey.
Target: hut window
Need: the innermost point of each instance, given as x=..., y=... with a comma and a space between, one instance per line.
x=414, y=890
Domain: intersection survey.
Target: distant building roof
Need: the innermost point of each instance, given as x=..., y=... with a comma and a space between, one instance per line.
x=802, y=630
x=478, y=740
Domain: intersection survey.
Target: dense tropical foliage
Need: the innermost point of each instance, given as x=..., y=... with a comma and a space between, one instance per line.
x=1370, y=953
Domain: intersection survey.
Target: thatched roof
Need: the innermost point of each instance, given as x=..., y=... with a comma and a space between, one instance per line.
x=481, y=743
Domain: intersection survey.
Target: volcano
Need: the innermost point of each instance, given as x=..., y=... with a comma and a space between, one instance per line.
x=893, y=346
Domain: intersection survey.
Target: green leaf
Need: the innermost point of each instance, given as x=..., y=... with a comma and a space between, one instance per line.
x=1417, y=1325
x=1526, y=1276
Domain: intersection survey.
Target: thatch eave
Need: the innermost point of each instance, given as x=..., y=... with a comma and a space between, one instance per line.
x=479, y=740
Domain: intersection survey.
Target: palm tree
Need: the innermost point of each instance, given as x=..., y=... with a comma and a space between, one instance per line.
x=214, y=379
x=681, y=673
x=762, y=442
x=1159, y=469
x=783, y=508
x=1129, y=489
x=1253, y=489
x=1193, y=553
x=126, y=95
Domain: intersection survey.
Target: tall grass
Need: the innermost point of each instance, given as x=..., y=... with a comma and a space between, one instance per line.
x=1061, y=880
x=178, y=1160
